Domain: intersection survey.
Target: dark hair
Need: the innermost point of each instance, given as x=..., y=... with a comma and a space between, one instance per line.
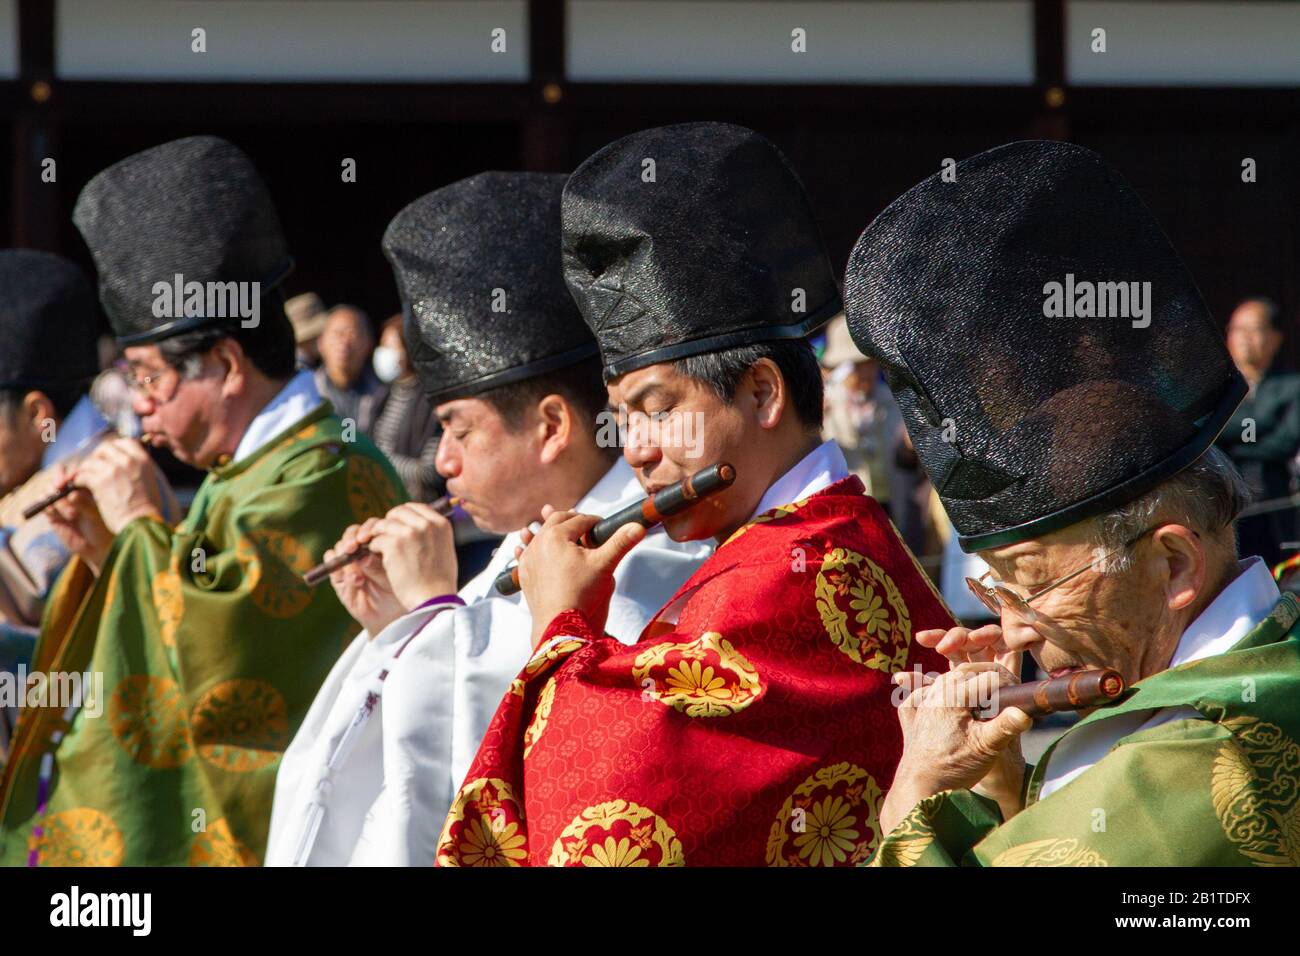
x=63, y=397
x=269, y=345
x=580, y=385
x=722, y=372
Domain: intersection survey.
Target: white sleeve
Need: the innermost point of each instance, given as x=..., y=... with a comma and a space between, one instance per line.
x=437, y=704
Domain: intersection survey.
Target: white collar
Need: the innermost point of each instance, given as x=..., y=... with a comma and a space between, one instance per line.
x=1234, y=613
x=291, y=404
x=820, y=468
x=75, y=431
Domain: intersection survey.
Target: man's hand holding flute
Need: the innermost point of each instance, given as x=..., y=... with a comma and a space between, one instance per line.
x=116, y=484
x=411, y=558
x=559, y=573
x=944, y=746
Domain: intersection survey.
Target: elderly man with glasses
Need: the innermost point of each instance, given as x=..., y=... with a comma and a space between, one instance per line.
x=1074, y=455
x=209, y=645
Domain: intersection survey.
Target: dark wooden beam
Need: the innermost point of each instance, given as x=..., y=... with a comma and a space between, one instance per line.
x=648, y=102
x=1185, y=108
x=37, y=205
x=547, y=133
x=295, y=102
x=1052, y=119
x=36, y=38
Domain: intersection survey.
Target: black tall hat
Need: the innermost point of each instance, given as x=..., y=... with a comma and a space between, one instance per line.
x=1031, y=411
x=48, y=324
x=478, y=269
x=690, y=239
x=195, y=208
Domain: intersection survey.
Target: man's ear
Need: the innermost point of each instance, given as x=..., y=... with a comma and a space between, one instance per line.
x=1183, y=553
x=234, y=363
x=555, y=426
x=765, y=388
x=37, y=411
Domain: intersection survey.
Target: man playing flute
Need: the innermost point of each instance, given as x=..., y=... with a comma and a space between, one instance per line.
x=751, y=723
x=514, y=374
x=49, y=327
x=1072, y=446
x=209, y=644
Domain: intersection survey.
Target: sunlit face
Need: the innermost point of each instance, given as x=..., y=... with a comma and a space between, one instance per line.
x=345, y=346
x=677, y=426
x=1252, y=341
x=1097, y=619
x=487, y=465
x=21, y=446
x=185, y=414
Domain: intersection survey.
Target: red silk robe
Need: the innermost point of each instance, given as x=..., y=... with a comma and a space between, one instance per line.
x=751, y=724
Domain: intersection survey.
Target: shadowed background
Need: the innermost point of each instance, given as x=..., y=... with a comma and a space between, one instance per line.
x=413, y=91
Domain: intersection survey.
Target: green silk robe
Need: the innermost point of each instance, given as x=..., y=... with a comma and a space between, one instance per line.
x=1224, y=791
x=211, y=649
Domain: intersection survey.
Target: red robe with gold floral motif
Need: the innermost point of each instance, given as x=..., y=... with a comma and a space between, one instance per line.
x=753, y=723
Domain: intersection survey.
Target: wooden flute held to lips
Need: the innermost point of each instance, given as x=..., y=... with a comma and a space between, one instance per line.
x=444, y=506
x=1087, y=688
x=648, y=512
x=36, y=507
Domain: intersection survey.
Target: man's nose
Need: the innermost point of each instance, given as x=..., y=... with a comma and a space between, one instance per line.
x=639, y=454
x=1017, y=633
x=446, y=461
x=142, y=404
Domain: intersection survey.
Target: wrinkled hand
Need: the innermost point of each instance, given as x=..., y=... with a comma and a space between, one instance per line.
x=960, y=645
x=944, y=746
x=362, y=586
x=559, y=574
x=120, y=475
x=418, y=549
x=77, y=523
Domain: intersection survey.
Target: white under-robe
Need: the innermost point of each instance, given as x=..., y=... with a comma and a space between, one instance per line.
x=384, y=802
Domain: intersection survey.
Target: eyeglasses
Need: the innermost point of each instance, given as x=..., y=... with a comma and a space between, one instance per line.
x=997, y=596
x=147, y=384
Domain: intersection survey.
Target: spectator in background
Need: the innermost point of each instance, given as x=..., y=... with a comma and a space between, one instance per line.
x=111, y=392
x=860, y=413
x=345, y=378
x=861, y=416
x=306, y=314
x=1264, y=435
x=406, y=430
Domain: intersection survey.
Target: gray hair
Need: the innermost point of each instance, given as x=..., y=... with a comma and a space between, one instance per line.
x=1206, y=496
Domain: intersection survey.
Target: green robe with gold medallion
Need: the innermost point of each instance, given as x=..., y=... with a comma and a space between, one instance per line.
x=211, y=649
x=1223, y=791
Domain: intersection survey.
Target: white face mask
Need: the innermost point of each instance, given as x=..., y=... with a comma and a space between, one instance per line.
x=388, y=364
